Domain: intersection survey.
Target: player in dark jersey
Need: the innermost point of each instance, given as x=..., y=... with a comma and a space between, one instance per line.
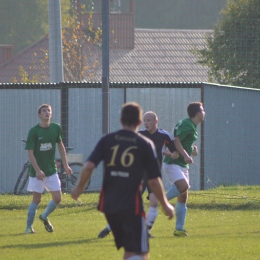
x=177, y=170
x=126, y=156
x=162, y=140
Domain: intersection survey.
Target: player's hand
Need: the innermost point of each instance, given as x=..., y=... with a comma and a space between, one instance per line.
x=188, y=159
x=167, y=153
x=68, y=170
x=194, y=150
x=40, y=175
x=173, y=155
x=168, y=210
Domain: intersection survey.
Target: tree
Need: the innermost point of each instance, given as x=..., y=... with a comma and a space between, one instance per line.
x=21, y=22
x=24, y=77
x=24, y=22
x=79, y=41
x=232, y=52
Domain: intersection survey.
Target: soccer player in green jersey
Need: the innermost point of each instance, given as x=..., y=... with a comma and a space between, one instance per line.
x=41, y=146
x=177, y=170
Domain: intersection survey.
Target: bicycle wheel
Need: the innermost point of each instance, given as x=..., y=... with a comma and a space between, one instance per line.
x=22, y=180
x=73, y=178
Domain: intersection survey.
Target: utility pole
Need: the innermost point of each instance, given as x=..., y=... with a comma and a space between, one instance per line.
x=55, y=41
x=105, y=68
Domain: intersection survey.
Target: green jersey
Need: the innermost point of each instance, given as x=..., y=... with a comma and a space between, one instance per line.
x=43, y=143
x=186, y=131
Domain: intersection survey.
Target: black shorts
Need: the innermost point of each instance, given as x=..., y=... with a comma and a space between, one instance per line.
x=130, y=231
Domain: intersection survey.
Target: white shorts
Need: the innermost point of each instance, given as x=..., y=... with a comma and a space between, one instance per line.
x=175, y=172
x=50, y=183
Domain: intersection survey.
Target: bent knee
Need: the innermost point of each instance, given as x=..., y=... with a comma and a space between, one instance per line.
x=184, y=189
x=57, y=200
x=182, y=185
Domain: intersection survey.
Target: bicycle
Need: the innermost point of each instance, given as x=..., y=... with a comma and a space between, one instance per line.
x=67, y=181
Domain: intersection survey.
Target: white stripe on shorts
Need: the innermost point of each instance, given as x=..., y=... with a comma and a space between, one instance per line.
x=144, y=237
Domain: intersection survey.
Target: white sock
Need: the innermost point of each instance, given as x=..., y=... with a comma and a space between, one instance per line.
x=151, y=216
x=108, y=227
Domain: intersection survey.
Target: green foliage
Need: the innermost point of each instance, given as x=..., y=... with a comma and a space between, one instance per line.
x=78, y=41
x=24, y=77
x=227, y=230
x=24, y=22
x=232, y=53
x=21, y=22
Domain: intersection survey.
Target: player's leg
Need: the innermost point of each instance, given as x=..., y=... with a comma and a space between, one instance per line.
x=134, y=256
x=152, y=211
x=136, y=243
x=52, y=184
x=181, y=204
x=106, y=231
x=180, y=214
x=37, y=187
x=173, y=192
x=173, y=174
x=177, y=179
x=153, y=208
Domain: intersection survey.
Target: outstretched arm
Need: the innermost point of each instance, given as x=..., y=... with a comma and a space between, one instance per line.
x=64, y=157
x=39, y=173
x=84, y=178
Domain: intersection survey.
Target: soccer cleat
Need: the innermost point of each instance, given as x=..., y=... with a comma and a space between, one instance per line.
x=48, y=226
x=29, y=230
x=180, y=233
x=150, y=235
x=105, y=232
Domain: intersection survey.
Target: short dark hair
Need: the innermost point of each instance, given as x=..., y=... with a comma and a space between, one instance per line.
x=131, y=114
x=41, y=106
x=193, y=108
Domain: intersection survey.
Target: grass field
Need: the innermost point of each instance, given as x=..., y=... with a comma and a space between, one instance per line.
x=222, y=223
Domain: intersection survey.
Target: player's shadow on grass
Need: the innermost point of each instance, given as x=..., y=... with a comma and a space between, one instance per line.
x=51, y=244
x=213, y=205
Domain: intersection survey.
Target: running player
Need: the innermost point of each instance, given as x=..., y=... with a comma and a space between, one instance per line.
x=162, y=140
x=127, y=156
x=177, y=170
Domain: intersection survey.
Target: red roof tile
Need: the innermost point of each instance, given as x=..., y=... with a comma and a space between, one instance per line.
x=158, y=56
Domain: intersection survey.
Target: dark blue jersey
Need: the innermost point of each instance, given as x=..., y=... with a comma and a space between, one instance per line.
x=161, y=140
x=126, y=156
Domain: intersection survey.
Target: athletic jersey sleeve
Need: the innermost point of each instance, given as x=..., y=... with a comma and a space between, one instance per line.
x=30, y=142
x=183, y=131
x=97, y=155
x=187, y=133
x=169, y=142
x=59, y=135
